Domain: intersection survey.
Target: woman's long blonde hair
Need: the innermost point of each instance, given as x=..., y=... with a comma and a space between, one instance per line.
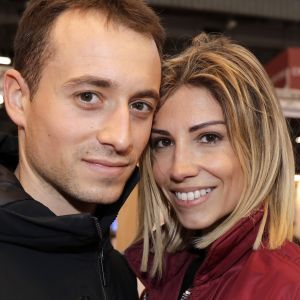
x=258, y=134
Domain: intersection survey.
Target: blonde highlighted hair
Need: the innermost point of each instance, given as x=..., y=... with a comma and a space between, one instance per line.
x=258, y=134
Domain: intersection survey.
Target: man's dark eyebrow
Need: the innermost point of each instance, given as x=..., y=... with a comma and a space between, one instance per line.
x=90, y=80
x=205, y=124
x=107, y=83
x=160, y=131
x=147, y=94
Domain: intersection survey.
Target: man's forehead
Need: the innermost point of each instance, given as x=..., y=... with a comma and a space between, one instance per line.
x=91, y=27
x=75, y=19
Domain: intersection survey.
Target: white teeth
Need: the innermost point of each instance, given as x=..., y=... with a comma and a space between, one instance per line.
x=192, y=195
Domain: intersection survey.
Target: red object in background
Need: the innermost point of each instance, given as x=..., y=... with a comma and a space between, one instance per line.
x=284, y=69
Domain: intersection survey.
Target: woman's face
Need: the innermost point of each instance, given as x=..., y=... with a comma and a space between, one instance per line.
x=194, y=163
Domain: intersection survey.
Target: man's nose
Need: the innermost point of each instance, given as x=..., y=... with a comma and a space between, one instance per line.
x=116, y=132
x=183, y=165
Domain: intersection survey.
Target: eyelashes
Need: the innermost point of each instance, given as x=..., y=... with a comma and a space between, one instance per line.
x=211, y=138
x=160, y=142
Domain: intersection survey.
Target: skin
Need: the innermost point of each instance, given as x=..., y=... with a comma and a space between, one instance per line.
x=83, y=131
x=192, y=152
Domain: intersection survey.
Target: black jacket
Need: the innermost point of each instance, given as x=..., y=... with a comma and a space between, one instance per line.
x=49, y=257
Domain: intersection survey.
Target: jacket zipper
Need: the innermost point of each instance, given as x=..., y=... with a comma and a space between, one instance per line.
x=101, y=258
x=186, y=295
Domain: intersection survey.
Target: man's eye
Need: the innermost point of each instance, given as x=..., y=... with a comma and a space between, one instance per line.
x=210, y=138
x=160, y=143
x=88, y=97
x=141, y=106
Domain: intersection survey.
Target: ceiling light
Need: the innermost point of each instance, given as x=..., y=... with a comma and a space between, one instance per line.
x=1, y=100
x=231, y=24
x=297, y=140
x=297, y=177
x=5, y=60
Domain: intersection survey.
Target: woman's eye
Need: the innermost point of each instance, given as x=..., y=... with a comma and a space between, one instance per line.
x=141, y=106
x=209, y=138
x=161, y=143
x=88, y=97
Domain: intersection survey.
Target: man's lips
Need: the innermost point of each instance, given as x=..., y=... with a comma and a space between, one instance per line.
x=107, y=163
x=107, y=168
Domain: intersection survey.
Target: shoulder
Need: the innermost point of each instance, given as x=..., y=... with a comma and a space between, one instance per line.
x=268, y=274
x=286, y=258
x=278, y=267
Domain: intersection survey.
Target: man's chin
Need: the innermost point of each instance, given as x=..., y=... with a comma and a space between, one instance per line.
x=89, y=203
x=103, y=196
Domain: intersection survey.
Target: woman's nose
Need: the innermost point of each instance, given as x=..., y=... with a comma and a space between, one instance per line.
x=183, y=165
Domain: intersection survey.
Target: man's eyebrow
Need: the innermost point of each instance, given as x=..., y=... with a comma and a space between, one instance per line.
x=107, y=83
x=90, y=80
x=205, y=124
x=160, y=131
x=147, y=94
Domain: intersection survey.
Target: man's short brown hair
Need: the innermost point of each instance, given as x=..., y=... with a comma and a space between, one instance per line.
x=32, y=39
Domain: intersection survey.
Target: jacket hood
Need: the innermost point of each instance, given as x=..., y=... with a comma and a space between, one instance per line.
x=9, y=150
x=27, y=222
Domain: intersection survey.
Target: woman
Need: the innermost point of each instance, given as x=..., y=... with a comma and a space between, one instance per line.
x=219, y=175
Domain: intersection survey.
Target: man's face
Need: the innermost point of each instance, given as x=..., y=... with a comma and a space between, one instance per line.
x=91, y=116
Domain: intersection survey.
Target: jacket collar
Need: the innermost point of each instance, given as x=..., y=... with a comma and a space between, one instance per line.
x=29, y=223
x=220, y=257
x=231, y=247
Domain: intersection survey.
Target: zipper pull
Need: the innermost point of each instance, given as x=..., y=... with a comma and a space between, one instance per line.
x=101, y=255
x=102, y=268
x=186, y=295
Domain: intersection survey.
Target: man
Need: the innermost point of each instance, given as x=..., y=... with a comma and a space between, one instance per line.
x=83, y=93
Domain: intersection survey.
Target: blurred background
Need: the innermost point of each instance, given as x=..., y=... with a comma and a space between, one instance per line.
x=269, y=28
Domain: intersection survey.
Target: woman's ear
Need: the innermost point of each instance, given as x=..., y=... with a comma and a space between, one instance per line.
x=16, y=96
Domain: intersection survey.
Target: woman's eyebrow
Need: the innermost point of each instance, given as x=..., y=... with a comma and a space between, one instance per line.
x=160, y=131
x=205, y=124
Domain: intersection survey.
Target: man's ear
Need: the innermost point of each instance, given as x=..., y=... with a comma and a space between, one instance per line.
x=16, y=96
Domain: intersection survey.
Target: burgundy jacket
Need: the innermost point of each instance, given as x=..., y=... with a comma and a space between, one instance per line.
x=231, y=270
